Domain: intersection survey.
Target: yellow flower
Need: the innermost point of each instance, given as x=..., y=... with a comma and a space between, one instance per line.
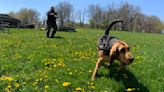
x=93, y=87
x=9, y=86
x=70, y=73
x=46, y=86
x=35, y=83
x=17, y=85
x=65, y=84
x=90, y=71
x=6, y=78
x=78, y=89
x=92, y=83
x=55, y=65
x=37, y=80
x=46, y=76
x=130, y=89
x=10, y=79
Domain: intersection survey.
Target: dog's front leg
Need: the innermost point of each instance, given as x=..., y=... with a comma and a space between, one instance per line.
x=96, y=68
x=121, y=68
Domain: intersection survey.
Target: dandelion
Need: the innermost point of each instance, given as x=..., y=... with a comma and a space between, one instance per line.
x=55, y=65
x=17, y=85
x=37, y=80
x=90, y=71
x=35, y=83
x=6, y=78
x=61, y=64
x=65, y=84
x=92, y=83
x=70, y=73
x=9, y=86
x=130, y=89
x=78, y=89
x=92, y=87
x=46, y=86
x=40, y=79
x=46, y=76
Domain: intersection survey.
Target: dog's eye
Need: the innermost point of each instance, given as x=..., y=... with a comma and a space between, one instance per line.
x=122, y=50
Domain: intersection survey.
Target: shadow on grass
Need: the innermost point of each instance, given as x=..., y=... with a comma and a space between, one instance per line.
x=128, y=79
x=58, y=37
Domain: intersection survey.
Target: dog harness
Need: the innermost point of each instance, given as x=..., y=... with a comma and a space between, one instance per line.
x=106, y=42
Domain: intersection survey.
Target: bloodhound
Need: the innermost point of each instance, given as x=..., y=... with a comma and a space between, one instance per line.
x=110, y=49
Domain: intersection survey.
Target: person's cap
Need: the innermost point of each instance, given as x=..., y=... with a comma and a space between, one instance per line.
x=52, y=8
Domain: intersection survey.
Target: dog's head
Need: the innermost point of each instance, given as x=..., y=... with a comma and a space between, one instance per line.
x=122, y=51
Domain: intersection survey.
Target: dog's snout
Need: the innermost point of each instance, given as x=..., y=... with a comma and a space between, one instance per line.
x=131, y=59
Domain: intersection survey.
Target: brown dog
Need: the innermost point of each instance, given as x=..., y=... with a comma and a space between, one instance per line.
x=111, y=48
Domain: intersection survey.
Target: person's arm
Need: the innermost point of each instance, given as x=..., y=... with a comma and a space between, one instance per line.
x=55, y=15
x=51, y=13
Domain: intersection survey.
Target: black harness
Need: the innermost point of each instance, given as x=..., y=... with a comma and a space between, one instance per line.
x=106, y=42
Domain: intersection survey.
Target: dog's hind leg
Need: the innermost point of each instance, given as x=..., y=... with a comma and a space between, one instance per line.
x=96, y=68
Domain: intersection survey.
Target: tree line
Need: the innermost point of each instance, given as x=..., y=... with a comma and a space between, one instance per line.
x=134, y=19
x=98, y=17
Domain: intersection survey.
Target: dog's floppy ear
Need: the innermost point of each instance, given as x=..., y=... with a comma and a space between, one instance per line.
x=114, y=52
x=115, y=49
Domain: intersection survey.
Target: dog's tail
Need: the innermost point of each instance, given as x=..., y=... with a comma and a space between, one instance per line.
x=110, y=26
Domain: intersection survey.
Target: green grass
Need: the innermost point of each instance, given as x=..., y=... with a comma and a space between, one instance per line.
x=30, y=62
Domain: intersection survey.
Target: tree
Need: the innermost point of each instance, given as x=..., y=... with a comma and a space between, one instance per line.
x=65, y=11
x=28, y=16
x=96, y=14
x=128, y=13
x=80, y=15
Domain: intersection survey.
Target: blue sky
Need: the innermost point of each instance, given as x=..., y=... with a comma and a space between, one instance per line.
x=148, y=7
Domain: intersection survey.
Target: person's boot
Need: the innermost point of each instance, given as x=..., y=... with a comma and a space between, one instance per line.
x=47, y=34
x=53, y=33
x=52, y=36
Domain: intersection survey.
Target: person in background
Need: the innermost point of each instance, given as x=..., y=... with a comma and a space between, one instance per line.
x=51, y=22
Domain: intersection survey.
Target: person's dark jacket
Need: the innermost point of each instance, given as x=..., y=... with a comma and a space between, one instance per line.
x=51, y=17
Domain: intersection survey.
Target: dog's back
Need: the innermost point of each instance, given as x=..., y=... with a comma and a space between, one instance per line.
x=105, y=43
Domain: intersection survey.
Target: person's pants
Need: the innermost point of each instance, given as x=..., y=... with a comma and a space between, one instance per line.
x=49, y=29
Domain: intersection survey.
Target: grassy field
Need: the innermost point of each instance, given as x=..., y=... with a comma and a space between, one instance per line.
x=30, y=62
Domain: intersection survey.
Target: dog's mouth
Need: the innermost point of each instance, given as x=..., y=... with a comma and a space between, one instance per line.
x=128, y=61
